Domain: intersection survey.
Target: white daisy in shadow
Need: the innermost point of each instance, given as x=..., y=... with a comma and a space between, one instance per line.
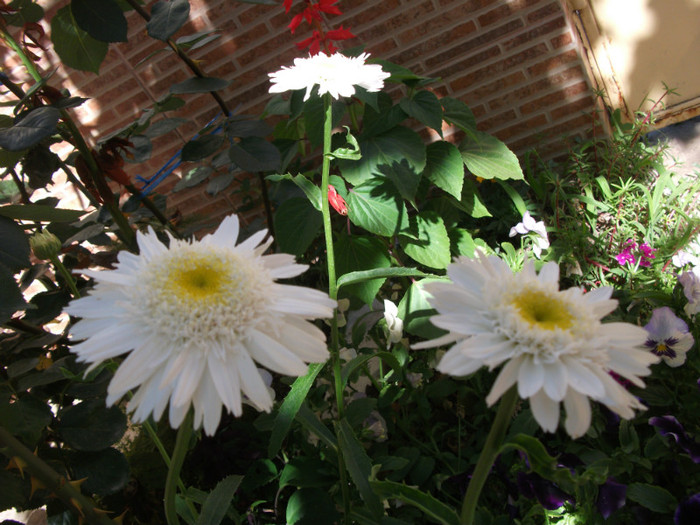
x=194, y=318
x=549, y=342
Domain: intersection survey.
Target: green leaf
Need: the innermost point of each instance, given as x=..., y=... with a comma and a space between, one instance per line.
x=198, y=85
x=40, y=212
x=461, y=242
x=220, y=183
x=428, y=243
x=315, y=115
x=201, y=147
x=103, y=20
x=629, y=440
x=415, y=310
x=311, y=422
x=11, y=298
x=654, y=498
x=540, y=460
x=74, y=46
x=90, y=425
x=253, y=154
x=27, y=12
x=444, y=167
x=306, y=471
x=358, y=465
x=34, y=126
x=356, y=253
x=297, y=224
x=425, y=107
x=377, y=273
x=14, y=245
x=360, y=360
x=13, y=491
x=430, y=506
x=289, y=408
x=219, y=500
x=311, y=506
x=107, y=471
x=193, y=177
x=167, y=17
x=348, y=153
x=458, y=114
x=404, y=178
x=376, y=206
x=395, y=145
x=471, y=201
x=489, y=158
x=163, y=126
x=27, y=418
x=313, y=192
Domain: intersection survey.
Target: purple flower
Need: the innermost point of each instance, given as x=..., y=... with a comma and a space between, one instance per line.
x=691, y=288
x=611, y=497
x=532, y=485
x=670, y=426
x=643, y=251
x=647, y=254
x=669, y=337
x=625, y=256
x=688, y=511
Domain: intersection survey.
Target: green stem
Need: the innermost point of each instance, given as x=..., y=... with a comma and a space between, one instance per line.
x=488, y=454
x=176, y=461
x=66, y=275
x=333, y=288
x=52, y=480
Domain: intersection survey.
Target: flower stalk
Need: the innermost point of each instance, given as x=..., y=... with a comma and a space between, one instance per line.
x=488, y=454
x=176, y=461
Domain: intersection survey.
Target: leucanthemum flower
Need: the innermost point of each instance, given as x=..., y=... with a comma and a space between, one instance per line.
x=549, y=342
x=336, y=74
x=194, y=319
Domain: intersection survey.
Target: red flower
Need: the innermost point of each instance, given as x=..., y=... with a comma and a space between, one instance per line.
x=337, y=201
x=318, y=38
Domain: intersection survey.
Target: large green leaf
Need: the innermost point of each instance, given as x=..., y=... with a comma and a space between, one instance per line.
x=359, y=466
x=26, y=11
x=90, y=425
x=305, y=471
x=415, y=310
x=253, y=154
x=40, y=212
x=107, y=471
x=471, y=201
x=11, y=298
x=297, y=224
x=312, y=192
x=444, y=167
x=219, y=500
x=432, y=507
x=428, y=242
x=201, y=147
x=193, y=177
x=458, y=114
x=396, y=145
x=489, y=158
x=359, y=276
x=425, y=107
x=27, y=418
x=167, y=17
x=14, y=245
x=404, y=178
x=356, y=253
x=653, y=497
x=32, y=128
x=103, y=20
x=198, y=85
x=311, y=506
x=376, y=206
x=74, y=46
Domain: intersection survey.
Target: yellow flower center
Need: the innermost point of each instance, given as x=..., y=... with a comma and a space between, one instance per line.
x=198, y=279
x=543, y=310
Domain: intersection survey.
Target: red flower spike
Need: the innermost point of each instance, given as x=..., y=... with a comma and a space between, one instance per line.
x=335, y=200
x=327, y=7
x=287, y=5
x=339, y=34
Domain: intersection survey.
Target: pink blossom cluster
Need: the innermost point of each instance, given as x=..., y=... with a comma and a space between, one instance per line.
x=633, y=252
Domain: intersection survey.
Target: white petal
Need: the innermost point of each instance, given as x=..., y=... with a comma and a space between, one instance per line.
x=555, y=380
x=252, y=384
x=273, y=355
x=506, y=379
x=545, y=410
x=530, y=377
x=578, y=414
x=224, y=375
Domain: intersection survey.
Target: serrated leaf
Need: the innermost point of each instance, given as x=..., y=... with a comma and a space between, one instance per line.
x=91, y=426
x=430, y=506
x=34, y=126
x=254, y=154
x=360, y=253
x=654, y=498
x=444, y=167
x=193, y=177
x=103, y=20
x=297, y=223
x=489, y=158
x=458, y=114
x=218, y=501
x=74, y=46
x=425, y=107
x=429, y=243
x=376, y=206
x=167, y=17
x=404, y=178
x=14, y=245
x=396, y=145
x=461, y=242
x=471, y=201
x=198, y=85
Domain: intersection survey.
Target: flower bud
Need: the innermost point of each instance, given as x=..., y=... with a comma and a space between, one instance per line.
x=45, y=245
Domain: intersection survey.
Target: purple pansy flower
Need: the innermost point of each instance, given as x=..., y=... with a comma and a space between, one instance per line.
x=670, y=426
x=688, y=511
x=668, y=336
x=534, y=486
x=611, y=497
x=691, y=288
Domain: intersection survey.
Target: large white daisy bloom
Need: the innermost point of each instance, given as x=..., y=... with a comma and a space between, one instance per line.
x=550, y=342
x=194, y=319
x=335, y=74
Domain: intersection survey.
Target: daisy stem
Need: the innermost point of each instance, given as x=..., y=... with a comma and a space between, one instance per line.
x=488, y=455
x=332, y=286
x=176, y=461
x=60, y=268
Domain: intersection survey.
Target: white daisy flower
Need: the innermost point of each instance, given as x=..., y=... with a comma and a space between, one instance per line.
x=550, y=342
x=194, y=319
x=335, y=74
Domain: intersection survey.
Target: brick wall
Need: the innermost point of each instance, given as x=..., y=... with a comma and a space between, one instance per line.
x=514, y=62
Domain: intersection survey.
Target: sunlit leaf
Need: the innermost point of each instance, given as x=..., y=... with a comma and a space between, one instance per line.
x=103, y=20
x=74, y=46
x=489, y=158
x=167, y=17
x=32, y=128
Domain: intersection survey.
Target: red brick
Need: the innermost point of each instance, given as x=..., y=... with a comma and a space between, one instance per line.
x=440, y=41
x=584, y=104
x=561, y=40
x=505, y=10
x=524, y=126
x=535, y=33
x=497, y=121
x=551, y=9
x=554, y=62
